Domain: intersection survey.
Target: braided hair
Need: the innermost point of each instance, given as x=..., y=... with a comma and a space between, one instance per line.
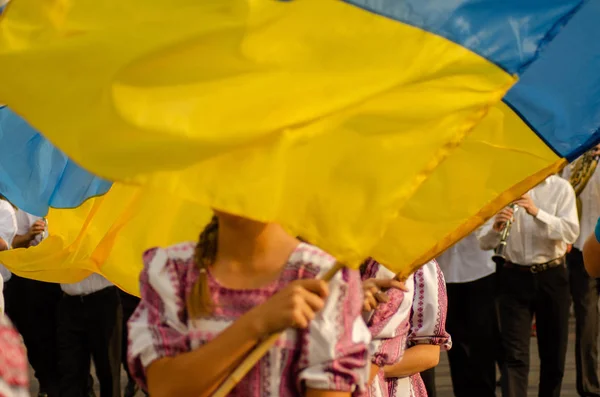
x=199, y=302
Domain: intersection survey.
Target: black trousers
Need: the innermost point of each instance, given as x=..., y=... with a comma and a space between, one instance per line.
x=521, y=295
x=428, y=377
x=472, y=321
x=90, y=326
x=584, y=291
x=129, y=303
x=31, y=305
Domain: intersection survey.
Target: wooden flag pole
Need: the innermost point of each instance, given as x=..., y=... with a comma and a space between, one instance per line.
x=259, y=351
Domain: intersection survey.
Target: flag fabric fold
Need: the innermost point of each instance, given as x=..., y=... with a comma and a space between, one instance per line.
x=36, y=175
x=370, y=127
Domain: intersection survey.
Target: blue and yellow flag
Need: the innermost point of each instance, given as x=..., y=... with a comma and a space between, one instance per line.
x=104, y=234
x=370, y=127
x=35, y=174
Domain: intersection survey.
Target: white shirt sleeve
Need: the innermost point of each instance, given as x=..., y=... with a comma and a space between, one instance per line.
x=8, y=223
x=564, y=226
x=23, y=222
x=487, y=236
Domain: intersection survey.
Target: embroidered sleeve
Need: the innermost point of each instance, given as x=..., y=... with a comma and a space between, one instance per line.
x=14, y=381
x=430, y=304
x=157, y=328
x=335, y=348
x=387, y=322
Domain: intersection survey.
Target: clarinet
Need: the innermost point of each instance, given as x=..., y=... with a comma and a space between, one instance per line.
x=500, y=251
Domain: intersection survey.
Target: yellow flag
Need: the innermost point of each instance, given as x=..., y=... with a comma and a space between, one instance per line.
x=108, y=235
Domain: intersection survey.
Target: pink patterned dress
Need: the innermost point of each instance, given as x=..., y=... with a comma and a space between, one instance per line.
x=408, y=319
x=14, y=378
x=332, y=354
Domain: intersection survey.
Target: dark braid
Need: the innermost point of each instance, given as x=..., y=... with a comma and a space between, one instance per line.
x=364, y=266
x=199, y=302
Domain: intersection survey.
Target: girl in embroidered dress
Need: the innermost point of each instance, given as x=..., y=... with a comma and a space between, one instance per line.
x=407, y=326
x=14, y=377
x=204, y=308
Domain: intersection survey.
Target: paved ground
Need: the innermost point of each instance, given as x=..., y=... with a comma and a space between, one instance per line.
x=444, y=384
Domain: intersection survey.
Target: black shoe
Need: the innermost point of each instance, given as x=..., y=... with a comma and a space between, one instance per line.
x=131, y=389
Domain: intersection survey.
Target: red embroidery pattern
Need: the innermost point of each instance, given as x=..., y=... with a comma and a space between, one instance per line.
x=13, y=359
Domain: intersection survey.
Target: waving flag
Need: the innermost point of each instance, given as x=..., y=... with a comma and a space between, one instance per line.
x=36, y=175
x=105, y=234
x=386, y=128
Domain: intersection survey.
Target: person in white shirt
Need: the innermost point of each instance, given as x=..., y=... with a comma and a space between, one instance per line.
x=31, y=305
x=90, y=320
x=534, y=280
x=471, y=283
x=8, y=230
x=584, y=291
x=8, y=224
x=31, y=230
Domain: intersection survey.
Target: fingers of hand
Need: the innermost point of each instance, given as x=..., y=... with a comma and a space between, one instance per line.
x=304, y=306
x=370, y=303
x=522, y=202
x=301, y=317
x=400, y=285
x=303, y=296
x=369, y=307
x=382, y=297
x=369, y=283
x=373, y=290
x=507, y=212
x=391, y=283
x=318, y=287
x=503, y=218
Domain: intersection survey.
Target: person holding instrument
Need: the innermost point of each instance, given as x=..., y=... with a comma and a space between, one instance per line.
x=204, y=308
x=585, y=179
x=407, y=323
x=534, y=280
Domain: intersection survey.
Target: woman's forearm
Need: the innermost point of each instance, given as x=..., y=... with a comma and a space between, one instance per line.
x=416, y=359
x=374, y=371
x=198, y=373
x=21, y=241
